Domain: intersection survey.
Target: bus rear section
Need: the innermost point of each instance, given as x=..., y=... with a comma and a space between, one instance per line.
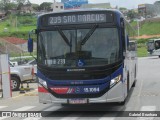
x=153, y=47
x=82, y=57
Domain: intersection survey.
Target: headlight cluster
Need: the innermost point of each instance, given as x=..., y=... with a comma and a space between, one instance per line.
x=115, y=80
x=42, y=82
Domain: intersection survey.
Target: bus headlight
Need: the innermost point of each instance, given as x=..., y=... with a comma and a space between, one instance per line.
x=115, y=80
x=42, y=82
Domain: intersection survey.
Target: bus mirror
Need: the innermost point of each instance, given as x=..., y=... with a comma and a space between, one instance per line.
x=30, y=40
x=30, y=45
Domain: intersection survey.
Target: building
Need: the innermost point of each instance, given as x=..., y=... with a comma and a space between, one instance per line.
x=73, y=4
x=27, y=8
x=57, y=6
x=146, y=10
x=2, y=15
x=99, y=5
x=157, y=7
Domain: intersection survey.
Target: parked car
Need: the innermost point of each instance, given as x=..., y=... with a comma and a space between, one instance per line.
x=34, y=64
x=20, y=74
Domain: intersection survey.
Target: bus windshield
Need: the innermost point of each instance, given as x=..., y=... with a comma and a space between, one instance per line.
x=78, y=47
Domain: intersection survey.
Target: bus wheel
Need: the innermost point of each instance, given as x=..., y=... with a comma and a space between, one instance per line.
x=159, y=56
x=122, y=103
x=134, y=83
x=127, y=84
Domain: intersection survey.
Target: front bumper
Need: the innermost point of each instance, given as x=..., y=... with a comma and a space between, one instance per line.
x=115, y=94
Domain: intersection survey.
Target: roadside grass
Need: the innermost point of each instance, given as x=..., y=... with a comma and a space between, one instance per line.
x=150, y=28
x=147, y=28
x=142, y=51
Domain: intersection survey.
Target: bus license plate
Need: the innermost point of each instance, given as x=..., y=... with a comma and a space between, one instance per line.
x=77, y=101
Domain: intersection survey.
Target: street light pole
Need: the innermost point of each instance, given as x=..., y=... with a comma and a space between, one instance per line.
x=138, y=27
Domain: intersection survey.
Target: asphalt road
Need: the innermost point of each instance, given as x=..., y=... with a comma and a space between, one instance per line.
x=144, y=97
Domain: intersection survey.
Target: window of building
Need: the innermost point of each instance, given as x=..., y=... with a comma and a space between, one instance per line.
x=61, y=7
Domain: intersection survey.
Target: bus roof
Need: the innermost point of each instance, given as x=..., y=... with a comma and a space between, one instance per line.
x=84, y=10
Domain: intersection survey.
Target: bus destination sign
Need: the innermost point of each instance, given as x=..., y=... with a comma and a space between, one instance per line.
x=80, y=18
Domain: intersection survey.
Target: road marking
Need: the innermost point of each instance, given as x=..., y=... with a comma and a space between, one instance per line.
x=1, y=107
x=53, y=108
x=25, y=94
x=148, y=108
x=25, y=108
x=31, y=118
x=49, y=110
x=140, y=88
x=106, y=118
x=71, y=117
x=2, y=118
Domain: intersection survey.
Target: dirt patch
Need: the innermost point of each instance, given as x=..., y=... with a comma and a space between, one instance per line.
x=148, y=36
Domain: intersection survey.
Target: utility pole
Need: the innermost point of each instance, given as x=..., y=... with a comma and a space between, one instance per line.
x=138, y=26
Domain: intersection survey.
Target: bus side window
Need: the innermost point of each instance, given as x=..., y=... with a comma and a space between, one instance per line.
x=123, y=34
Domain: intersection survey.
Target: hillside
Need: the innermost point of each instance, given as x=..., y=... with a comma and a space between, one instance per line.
x=148, y=27
x=17, y=26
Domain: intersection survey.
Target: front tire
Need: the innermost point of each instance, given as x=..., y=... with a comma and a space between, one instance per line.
x=15, y=83
x=134, y=83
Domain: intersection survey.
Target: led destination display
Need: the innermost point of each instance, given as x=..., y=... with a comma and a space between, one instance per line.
x=79, y=18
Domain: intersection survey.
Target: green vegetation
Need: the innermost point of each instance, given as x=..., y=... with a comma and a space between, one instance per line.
x=142, y=51
x=147, y=28
x=150, y=28
x=17, y=26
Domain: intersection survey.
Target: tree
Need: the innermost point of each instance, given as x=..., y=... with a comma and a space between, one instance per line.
x=122, y=8
x=36, y=7
x=4, y=5
x=45, y=6
x=131, y=14
x=20, y=1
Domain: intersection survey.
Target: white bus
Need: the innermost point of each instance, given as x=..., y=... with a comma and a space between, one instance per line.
x=84, y=57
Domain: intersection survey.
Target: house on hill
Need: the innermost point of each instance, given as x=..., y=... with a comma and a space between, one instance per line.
x=2, y=15
x=26, y=8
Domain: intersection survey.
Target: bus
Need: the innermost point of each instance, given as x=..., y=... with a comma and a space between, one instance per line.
x=83, y=57
x=153, y=47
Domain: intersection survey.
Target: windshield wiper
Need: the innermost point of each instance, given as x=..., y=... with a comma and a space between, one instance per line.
x=63, y=36
x=88, y=35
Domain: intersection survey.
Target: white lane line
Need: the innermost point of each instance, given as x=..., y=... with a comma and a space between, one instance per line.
x=147, y=108
x=71, y=117
x=1, y=107
x=53, y=108
x=25, y=108
x=32, y=118
x=2, y=118
x=106, y=118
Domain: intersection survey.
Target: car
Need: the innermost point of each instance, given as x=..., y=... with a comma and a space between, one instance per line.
x=34, y=64
x=20, y=74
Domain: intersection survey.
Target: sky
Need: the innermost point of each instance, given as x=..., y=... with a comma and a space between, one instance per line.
x=130, y=4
